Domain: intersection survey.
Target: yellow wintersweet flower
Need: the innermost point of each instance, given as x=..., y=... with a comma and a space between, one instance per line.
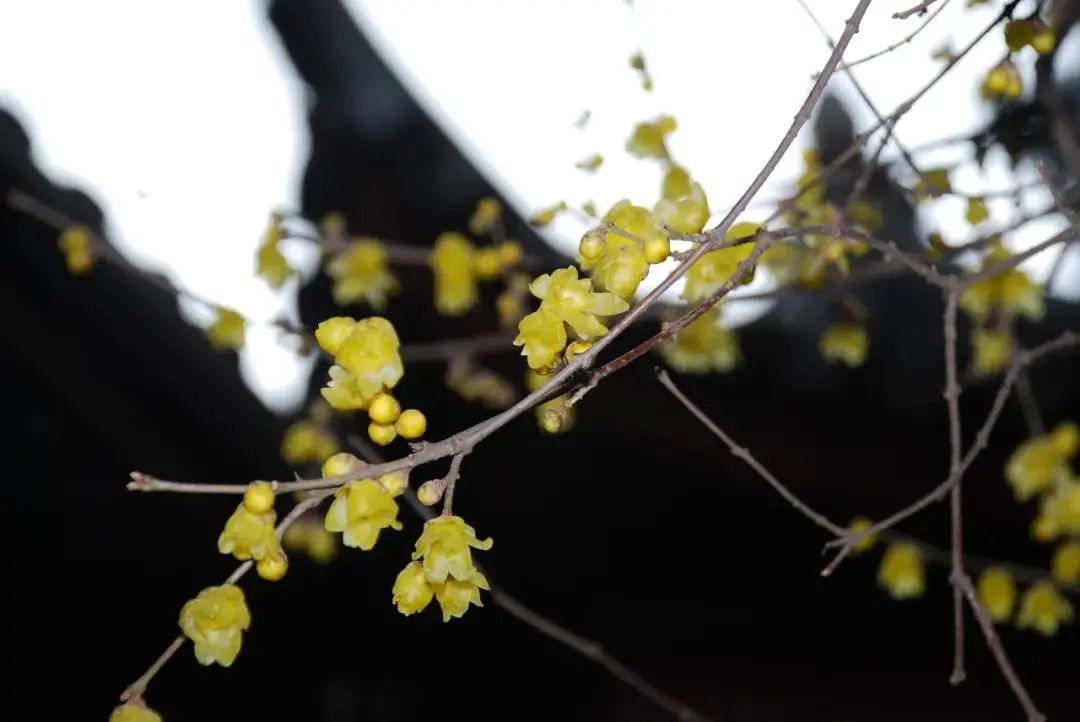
x=342, y=391
x=455, y=278
x=1066, y=563
x=455, y=595
x=269, y=261
x=618, y=263
x=249, y=536
x=573, y=301
x=716, y=268
x=997, y=593
x=1044, y=608
x=647, y=140
x=77, y=244
x=487, y=214
x=305, y=441
x=993, y=350
x=1010, y=292
x=445, y=549
x=131, y=712
x=1003, y=82
x=215, y=621
x=412, y=592
x=487, y=263
x=683, y=205
x=1060, y=512
x=861, y=524
x=543, y=336
x=703, y=346
x=901, y=571
x=362, y=509
x=361, y=273
x=1041, y=460
x=227, y=330
x=333, y=332
x=370, y=355
x=845, y=342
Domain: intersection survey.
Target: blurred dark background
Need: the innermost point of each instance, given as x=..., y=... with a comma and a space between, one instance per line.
x=638, y=529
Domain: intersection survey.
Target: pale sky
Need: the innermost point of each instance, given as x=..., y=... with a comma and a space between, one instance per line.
x=189, y=145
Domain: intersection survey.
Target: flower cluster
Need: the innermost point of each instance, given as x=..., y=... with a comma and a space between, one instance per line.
x=249, y=533
x=618, y=260
x=442, y=568
x=564, y=299
x=703, y=346
x=215, y=621
x=361, y=273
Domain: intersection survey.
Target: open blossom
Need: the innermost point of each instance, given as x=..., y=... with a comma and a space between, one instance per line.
x=215, y=621
x=362, y=509
x=543, y=338
x=412, y=591
x=901, y=571
x=845, y=342
x=455, y=277
x=703, y=346
x=361, y=273
x=1041, y=460
x=1044, y=609
x=455, y=595
x=573, y=301
x=249, y=536
x=368, y=360
x=997, y=593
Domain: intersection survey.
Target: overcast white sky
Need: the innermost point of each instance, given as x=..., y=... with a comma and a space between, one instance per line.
x=187, y=122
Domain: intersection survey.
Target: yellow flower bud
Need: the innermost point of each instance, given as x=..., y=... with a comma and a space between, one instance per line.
x=901, y=571
x=341, y=464
x=381, y=434
x=431, y=492
x=77, y=244
x=395, y=482
x=657, y=250
x=412, y=424
x=592, y=246
x=860, y=524
x=384, y=409
x=273, y=567
x=259, y=497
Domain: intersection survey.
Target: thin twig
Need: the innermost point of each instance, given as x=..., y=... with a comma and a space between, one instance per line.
x=900, y=43
x=952, y=401
x=585, y=647
x=452, y=477
x=1022, y=360
x=919, y=9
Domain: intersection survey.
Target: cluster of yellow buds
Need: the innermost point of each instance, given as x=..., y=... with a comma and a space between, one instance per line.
x=215, y=621
x=226, y=332
x=619, y=259
x=683, y=205
x=363, y=508
x=361, y=272
x=458, y=264
x=1030, y=31
x=77, y=245
x=270, y=263
x=249, y=533
x=367, y=366
x=703, y=346
x=564, y=299
x=846, y=342
x=443, y=569
x=902, y=572
x=648, y=138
